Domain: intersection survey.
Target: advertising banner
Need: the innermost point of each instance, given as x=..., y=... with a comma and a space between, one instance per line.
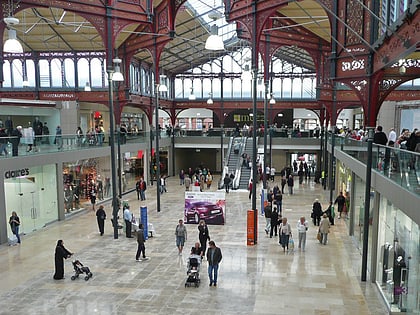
x=207, y=206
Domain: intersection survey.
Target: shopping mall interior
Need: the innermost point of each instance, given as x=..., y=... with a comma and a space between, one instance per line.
x=96, y=96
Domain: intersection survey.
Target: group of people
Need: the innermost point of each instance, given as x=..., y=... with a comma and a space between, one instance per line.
x=200, y=177
x=212, y=253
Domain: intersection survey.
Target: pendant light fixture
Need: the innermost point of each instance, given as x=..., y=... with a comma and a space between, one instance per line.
x=214, y=41
x=11, y=45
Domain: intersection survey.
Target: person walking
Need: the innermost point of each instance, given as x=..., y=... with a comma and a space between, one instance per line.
x=226, y=182
x=274, y=222
x=278, y=199
x=285, y=231
x=290, y=183
x=330, y=213
x=58, y=138
x=128, y=217
x=302, y=227
x=100, y=217
x=214, y=257
x=181, y=236
x=203, y=236
x=267, y=215
x=141, y=248
x=181, y=177
x=61, y=253
x=141, y=189
x=340, y=201
x=14, y=222
x=15, y=136
x=324, y=229
x=316, y=212
x=250, y=189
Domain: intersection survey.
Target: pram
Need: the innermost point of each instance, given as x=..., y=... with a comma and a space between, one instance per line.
x=80, y=269
x=193, y=271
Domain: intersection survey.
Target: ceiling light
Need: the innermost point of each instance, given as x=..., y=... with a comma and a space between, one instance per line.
x=117, y=75
x=12, y=45
x=163, y=88
x=87, y=87
x=210, y=100
x=272, y=100
x=246, y=74
x=25, y=82
x=214, y=41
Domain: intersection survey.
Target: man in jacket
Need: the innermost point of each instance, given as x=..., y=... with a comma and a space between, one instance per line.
x=141, y=249
x=214, y=257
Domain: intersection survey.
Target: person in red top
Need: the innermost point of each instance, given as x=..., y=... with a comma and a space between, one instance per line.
x=250, y=189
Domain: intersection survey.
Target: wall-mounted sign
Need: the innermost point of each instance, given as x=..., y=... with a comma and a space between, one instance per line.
x=16, y=173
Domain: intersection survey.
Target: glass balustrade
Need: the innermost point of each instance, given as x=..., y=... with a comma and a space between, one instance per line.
x=400, y=166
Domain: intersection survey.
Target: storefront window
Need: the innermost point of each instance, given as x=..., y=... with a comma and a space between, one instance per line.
x=398, y=259
x=84, y=179
x=32, y=193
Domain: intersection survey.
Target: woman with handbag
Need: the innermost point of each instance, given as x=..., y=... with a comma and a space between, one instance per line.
x=324, y=229
x=285, y=232
x=14, y=222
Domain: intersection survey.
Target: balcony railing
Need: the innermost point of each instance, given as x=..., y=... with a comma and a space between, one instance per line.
x=400, y=166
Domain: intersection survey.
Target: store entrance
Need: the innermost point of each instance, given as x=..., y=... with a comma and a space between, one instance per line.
x=33, y=197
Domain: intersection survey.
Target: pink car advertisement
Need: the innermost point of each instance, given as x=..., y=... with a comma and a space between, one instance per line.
x=207, y=206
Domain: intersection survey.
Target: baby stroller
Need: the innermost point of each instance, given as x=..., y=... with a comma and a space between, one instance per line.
x=80, y=269
x=193, y=271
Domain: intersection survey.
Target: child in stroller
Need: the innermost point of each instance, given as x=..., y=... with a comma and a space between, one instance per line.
x=193, y=269
x=80, y=269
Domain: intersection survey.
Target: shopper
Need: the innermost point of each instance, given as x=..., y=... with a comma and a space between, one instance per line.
x=100, y=217
x=203, y=236
x=181, y=236
x=324, y=229
x=61, y=253
x=302, y=227
x=128, y=218
x=214, y=257
x=141, y=248
x=14, y=222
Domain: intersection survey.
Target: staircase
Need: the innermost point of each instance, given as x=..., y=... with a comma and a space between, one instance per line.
x=245, y=171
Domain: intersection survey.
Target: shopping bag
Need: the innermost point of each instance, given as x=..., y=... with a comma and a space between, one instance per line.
x=291, y=244
x=13, y=240
x=318, y=236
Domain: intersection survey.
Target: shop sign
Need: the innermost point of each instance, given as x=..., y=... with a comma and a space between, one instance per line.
x=16, y=173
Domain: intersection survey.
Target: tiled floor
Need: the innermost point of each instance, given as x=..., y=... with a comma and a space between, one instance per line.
x=257, y=279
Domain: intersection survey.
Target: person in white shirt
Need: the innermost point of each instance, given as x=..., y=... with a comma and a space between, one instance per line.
x=302, y=227
x=272, y=173
x=128, y=217
x=392, y=137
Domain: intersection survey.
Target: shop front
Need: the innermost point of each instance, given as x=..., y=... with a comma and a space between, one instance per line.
x=32, y=193
x=84, y=180
x=398, y=262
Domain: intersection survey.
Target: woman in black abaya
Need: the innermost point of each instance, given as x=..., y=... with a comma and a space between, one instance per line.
x=61, y=253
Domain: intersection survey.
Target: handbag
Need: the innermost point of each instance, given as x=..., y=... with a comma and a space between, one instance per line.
x=318, y=236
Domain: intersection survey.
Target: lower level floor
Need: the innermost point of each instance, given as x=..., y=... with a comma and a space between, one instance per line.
x=258, y=279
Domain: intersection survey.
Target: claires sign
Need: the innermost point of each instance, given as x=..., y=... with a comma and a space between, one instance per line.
x=16, y=173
